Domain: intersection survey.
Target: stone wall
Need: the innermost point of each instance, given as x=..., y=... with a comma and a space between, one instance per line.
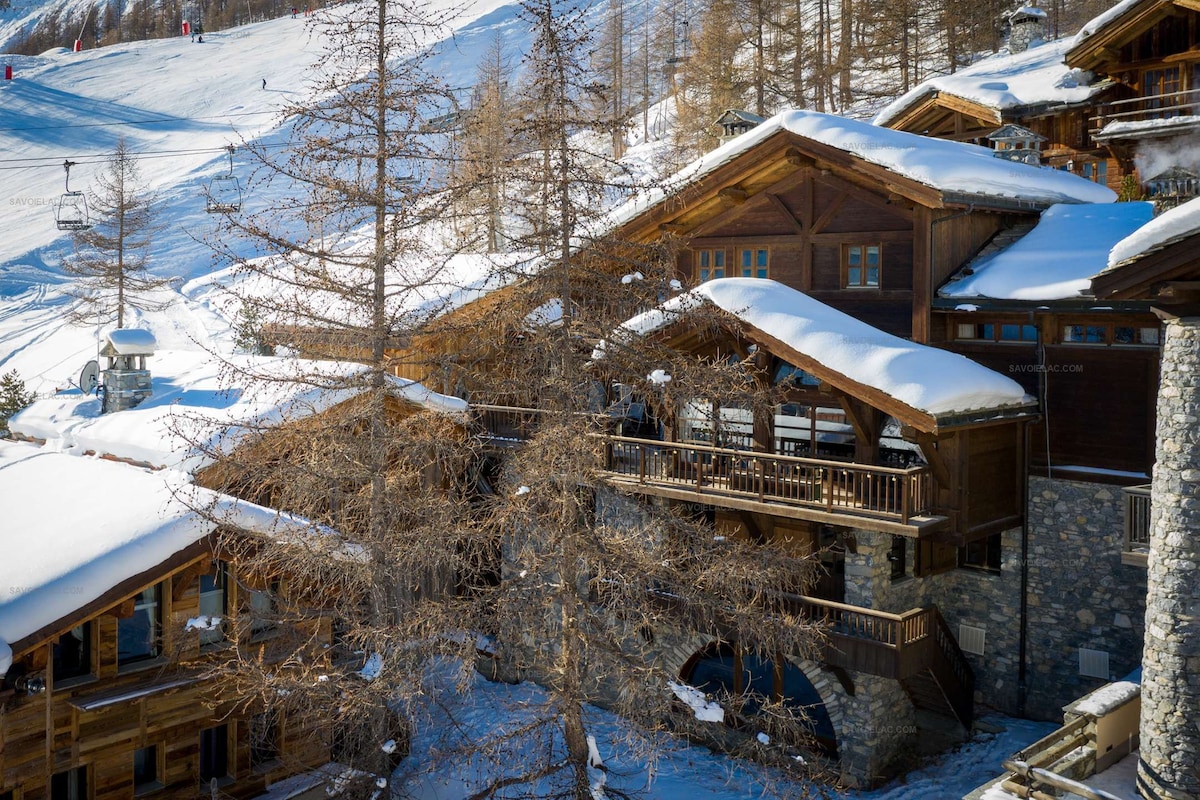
x=1170, y=760
x=1080, y=594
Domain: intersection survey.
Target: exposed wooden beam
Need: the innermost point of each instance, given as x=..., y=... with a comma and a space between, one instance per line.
x=732, y=194
x=829, y=213
x=785, y=212
x=798, y=159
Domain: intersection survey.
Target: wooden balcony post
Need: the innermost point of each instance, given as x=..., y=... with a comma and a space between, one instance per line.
x=641, y=463
x=905, y=489
x=762, y=479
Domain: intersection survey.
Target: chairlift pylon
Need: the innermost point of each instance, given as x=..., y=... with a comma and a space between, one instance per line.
x=71, y=212
x=224, y=194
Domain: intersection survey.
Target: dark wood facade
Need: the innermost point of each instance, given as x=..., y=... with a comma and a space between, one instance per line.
x=1096, y=372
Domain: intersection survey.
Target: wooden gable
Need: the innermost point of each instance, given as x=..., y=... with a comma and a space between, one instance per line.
x=1168, y=275
x=1105, y=50
x=946, y=116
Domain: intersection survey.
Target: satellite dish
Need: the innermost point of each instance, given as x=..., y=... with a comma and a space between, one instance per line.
x=89, y=377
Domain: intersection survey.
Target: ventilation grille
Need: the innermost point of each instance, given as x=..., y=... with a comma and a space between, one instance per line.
x=970, y=639
x=1093, y=663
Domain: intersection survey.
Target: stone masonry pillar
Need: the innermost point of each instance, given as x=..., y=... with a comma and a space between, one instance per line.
x=1169, y=768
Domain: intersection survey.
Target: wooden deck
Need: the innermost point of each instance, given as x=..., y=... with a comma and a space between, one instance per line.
x=888, y=499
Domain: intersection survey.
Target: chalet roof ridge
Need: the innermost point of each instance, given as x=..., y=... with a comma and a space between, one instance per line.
x=964, y=170
x=931, y=383
x=990, y=83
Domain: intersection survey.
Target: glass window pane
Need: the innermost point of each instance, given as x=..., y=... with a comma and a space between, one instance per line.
x=873, y=255
x=703, y=275
x=1095, y=333
x=1029, y=333
x=137, y=635
x=1149, y=335
x=854, y=276
x=987, y=331
x=966, y=330
x=145, y=767
x=761, y=258
x=1124, y=335
x=73, y=653
x=718, y=258
x=704, y=256
x=719, y=273
x=854, y=256
x=872, y=276
x=1073, y=333
x=1009, y=331
x=214, y=753
x=747, y=255
x=762, y=272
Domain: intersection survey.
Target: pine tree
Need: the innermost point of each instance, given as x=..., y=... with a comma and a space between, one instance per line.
x=111, y=259
x=13, y=398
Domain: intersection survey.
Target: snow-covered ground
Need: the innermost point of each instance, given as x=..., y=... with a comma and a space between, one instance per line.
x=177, y=103
x=681, y=771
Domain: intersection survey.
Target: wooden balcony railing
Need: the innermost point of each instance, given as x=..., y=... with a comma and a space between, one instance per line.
x=1137, y=525
x=832, y=486
x=1143, y=109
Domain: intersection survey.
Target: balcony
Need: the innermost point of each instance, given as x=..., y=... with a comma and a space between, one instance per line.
x=1137, y=525
x=1146, y=117
x=890, y=499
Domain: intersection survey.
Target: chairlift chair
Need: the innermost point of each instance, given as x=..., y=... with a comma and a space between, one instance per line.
x=224, y=194
x=71, y=211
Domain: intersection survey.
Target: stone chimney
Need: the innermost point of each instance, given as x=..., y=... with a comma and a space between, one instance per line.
x=1169, y=767
x=1027, y=27
x=734, y=123
x=126, y=379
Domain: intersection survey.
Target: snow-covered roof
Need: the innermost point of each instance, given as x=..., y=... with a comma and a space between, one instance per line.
x=1035, y=77
x=949, y=167
x=1104, y=18
x=930, y=380
x=1057, y=259
x=132, y=342
x=1166, y=229
x=76, y=527
x=194, y=410
x=1028, y=11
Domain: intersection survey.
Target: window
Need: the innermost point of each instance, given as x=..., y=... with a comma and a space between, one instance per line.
x=145, y=770
x=997, y=331
x=261, y=605
x=214, y=602
x=860, y=265
x=214, y=753
x=1130, y=335
x=139, y=635
x=756, y=263
x=1085, y=334
x=69, y=785
x=264, y=739
x=1157, y=82
x=710, y=264
x=1102, y=173
x=73, y=654
x=983, y=554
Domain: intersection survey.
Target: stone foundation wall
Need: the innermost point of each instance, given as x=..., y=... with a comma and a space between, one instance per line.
x=1080, y=594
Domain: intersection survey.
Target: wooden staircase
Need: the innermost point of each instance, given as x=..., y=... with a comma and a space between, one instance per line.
x=916, y=648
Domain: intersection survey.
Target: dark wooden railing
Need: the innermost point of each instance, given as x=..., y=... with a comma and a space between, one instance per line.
x=898, y=646
x=832, y=486
x=1137, y=525
x=1140, y=109
x=507, y=424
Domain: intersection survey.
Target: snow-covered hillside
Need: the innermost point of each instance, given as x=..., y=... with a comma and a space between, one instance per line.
x=177, y=103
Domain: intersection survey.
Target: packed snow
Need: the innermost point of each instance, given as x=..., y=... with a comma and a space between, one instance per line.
x=1004, y=82
x=704, y=709
x=200, y=404
x=1167, y=228
x=83, y=525
x=925, y=378
x=1058, y=258
x=1101, y=20
x=449, y=720
x=1107, y=698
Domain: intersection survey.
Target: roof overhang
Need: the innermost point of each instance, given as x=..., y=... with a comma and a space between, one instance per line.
x=1101, y=48
x=1168, y=274
x=836, y=383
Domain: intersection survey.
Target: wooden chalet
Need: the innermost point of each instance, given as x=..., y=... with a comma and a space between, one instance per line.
x=107, y=695
x=1140, y=68
x=118, y=601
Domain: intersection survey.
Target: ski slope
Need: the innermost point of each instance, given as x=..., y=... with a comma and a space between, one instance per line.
x=177, y=103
